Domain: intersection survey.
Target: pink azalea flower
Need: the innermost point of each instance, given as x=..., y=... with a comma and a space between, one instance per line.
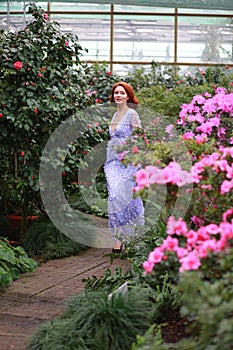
x=197, y=221
x=191, y=237
x=181, y=252
x=202, y=234
x=154, y=175
x=226, y=229
x=202, y=137
x=135, y=149
x=169, y=128
x=212, y=229
x=122, y=154
x=190, y=262
x=178, y=227
x=206, y=247
x=188, y=135
x=141, y=179
x=226, y=186
x=170, y=244
x=199, y=99
x=227, y=213
x=155, y=256
x=148, y=266
x=205, y=128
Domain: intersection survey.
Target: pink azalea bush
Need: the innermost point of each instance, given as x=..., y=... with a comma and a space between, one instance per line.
x=213, y=223
x=207, y=117
x=208, y=224
x=197, y=244
x=172, y=173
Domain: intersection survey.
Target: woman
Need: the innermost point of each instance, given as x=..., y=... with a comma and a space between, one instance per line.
x=124, y=211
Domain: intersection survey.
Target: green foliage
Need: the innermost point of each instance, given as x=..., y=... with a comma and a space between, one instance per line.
x=109, y=281
x=138, y=251
x=167, y=302
x=151, y=340
x=210, y=303
x=170, y=77
x=94, y=321
x=97, y=82
x=45, y=240
x=13, y=262
x=168, y=101
x=156, y=75
x=81, y=155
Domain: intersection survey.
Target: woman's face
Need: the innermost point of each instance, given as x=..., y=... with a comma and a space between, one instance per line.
x=120, y=95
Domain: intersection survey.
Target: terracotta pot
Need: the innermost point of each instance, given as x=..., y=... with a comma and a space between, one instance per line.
x=15, y=220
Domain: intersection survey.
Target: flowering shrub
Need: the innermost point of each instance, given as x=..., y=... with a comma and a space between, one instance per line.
x=38, y=90
x=96, y=81
x=159, y=75
x=208, y=117
x=40, y=87
x=195, y=245
x=211, y=209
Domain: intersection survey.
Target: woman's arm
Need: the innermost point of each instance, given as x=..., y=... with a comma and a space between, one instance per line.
x=135, y=120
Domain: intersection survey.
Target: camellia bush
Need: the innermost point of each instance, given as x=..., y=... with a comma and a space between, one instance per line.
x=42, y=83
x=38, y=90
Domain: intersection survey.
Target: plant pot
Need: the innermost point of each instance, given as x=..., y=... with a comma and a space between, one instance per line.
x=15, y=221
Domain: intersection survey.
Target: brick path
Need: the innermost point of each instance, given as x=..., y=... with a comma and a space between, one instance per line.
x=37, y=297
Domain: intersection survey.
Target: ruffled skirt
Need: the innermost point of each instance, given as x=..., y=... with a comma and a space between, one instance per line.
x=125, y=213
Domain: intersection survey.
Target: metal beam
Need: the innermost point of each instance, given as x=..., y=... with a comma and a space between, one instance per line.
x=195, y=4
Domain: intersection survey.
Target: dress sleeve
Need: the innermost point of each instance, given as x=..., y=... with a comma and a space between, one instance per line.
x=135, y=120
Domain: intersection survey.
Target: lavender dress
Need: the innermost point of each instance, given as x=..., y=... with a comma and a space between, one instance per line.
x=125, y=213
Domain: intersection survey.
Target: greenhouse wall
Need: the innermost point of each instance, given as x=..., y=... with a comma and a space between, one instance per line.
x=127, y=35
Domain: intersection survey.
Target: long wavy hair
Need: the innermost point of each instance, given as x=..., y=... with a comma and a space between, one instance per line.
x=132, y=101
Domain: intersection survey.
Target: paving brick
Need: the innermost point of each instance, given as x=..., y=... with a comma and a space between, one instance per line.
x=37, y=297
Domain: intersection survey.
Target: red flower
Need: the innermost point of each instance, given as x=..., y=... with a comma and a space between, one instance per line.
x=109, y=73
x=18, y=65
x=35, y=110
x=40, y=75
x=22, y=153
x=1, y=115
x=46, y=17
x=135, y=149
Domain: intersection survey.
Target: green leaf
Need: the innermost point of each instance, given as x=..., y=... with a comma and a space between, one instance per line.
x=6, y=253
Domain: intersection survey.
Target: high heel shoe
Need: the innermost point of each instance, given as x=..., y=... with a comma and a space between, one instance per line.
x=119, y=250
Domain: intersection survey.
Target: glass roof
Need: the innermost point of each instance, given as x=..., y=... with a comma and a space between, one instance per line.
x=196, y=4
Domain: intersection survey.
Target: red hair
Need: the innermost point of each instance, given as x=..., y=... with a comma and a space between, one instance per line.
x=132, y=101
